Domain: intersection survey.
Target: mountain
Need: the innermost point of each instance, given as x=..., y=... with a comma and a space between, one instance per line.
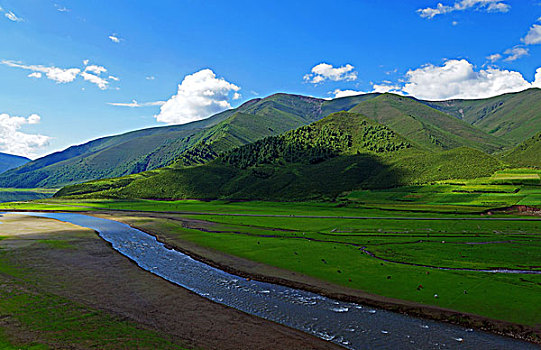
x=153, y=148
x=527, y=153
x=422, y=123
x=342, y=152
x=10, y=161
x=428, y=127
x=513, y=117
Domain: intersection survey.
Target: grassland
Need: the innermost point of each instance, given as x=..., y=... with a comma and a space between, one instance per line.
x=407, y=243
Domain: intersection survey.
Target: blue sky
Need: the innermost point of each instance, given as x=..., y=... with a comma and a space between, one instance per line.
x=223, y=53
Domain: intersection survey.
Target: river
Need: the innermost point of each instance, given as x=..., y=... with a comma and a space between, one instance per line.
x=350, y=325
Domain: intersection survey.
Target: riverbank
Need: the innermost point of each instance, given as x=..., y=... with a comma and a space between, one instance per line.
x=64, y=287
x=150, y=223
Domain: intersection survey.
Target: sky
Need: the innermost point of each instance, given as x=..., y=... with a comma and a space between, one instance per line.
x=72, y=71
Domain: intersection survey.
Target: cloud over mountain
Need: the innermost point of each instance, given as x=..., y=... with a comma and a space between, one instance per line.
x=199, y=95
x=13, y=141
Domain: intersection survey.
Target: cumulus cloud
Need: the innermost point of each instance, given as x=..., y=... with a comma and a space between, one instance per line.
x=346, y=93
x=90, y=73
x=515, y=53
x=151, y=77
x=462, y=5
x=200, y=95
x=14, y=141
x=386, y=87
x=325, y=71
x=459, y=79
x=114, y=38
x=534, y=35
x=135, y=104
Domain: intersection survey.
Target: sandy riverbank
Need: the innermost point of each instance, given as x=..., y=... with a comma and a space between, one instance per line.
x=85, y=269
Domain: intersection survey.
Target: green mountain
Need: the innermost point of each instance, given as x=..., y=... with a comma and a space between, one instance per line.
x=342, y=152
x=527, y=153
x=10, y=161
x=153, y=148
x=426, y=126
x=513, y=117
x=422, y=123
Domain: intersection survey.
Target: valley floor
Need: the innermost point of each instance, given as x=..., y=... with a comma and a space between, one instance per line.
x=421, y=250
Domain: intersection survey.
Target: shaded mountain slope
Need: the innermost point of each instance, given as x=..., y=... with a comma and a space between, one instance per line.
x=10, y=161
x=342, y=152
x=514, y=117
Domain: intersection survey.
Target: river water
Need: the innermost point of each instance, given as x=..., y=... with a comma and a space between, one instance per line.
x=351, y=325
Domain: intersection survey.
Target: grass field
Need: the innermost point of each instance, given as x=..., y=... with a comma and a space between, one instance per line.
x=408, y=243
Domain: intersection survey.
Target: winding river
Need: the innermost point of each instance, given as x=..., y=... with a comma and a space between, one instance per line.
x=350, y=325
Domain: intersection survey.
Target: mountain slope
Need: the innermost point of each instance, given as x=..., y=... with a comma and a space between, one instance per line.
x=10, y=161
x=342, y=152
x=426, y=126
x=152, y=148
x=202, y=141
x=514, y=117
x=527, y=153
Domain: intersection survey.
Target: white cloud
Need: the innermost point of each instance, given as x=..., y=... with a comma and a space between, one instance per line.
x=459, y=79
x=386, y=87
x=534, y=35
x=150, y=77
x=515, y=53
x=57, y=74
x=346, y=93
x=114, y=38
x=495, y=57
x=199, y=96
x=135, y=104
x=66, y=75
x=462, y=5
x=12, y=17
x=324, y=71
x=13, y=141
x=94, y=79
x=95, y=69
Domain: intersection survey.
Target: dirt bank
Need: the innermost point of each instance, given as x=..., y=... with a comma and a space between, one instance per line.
x=87, y=270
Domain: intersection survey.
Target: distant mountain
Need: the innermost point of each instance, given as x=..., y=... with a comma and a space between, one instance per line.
x=10, y=161
x=342, y=152
x=432, y=126
x=512, y=117
x=527, y=153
